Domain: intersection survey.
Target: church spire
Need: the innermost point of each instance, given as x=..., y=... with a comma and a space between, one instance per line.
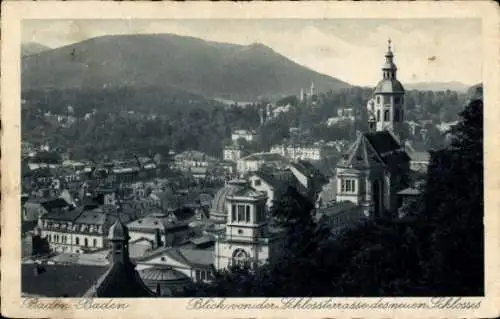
x=389, y=68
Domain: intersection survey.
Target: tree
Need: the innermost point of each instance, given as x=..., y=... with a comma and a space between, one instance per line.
x=454, y=210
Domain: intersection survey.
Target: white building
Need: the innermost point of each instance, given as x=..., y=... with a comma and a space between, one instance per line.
x=247, y=240
x=343, y=114
x=77, y=230
x=254, y=162
x=188, y=159
x=267, y=184
x=247, y=135
x=298, y=152
x=233, y=152
x=162, y=230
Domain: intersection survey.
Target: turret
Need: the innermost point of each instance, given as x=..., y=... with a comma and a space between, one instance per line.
x=118, y=238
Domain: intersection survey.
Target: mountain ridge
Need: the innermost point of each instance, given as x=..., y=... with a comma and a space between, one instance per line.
x=437, y=86
x=208, y=68
x=30, y=48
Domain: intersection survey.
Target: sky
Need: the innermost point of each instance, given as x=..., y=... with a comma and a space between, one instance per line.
x=426, y=50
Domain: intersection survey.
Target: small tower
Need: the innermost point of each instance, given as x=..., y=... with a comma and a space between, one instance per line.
x=313, y=91
x=261, y=116
x=246, y=240
x=118, y=238
x=388, y=98
x=268, y=110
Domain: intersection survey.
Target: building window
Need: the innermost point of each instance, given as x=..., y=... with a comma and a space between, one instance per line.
x=242, y=213
x=348, y=185
x=247, y=215
x=77, y=240
x=198, y=275
x=386, y=116
x=257, y=182
x=378, y=115
x=372, y=126
x=378, y=99
x=94, y=242
x=86, y=242
x=233, y=212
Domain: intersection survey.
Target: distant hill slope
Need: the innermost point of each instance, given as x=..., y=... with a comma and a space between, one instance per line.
x=437, y=86
x=215, y=70
x=30, y=48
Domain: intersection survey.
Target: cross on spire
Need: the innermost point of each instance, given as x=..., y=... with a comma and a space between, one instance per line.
x=389, y=44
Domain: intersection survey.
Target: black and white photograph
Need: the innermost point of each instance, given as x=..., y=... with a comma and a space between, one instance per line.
x=252, y=158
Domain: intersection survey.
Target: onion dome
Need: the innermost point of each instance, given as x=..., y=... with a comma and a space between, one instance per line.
x=389, y=86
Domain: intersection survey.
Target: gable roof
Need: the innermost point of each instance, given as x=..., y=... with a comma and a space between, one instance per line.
x=388, y=148
x=269, y=179
x=360, y=155
x=54, y=203
x=68, y=215
x=121, y=280
x=382, y=141
x=309, y=170
x=373, y=148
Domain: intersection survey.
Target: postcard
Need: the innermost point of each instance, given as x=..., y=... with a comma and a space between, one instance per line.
x=250, y=159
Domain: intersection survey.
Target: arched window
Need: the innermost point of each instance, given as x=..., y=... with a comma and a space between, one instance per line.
x=94, y=243
x=77, y=240
x=86, y=242
x=378, y=115
x=240, y=258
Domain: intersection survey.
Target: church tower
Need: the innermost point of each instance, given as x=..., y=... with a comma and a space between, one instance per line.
x=118, y=240
x=386, y=109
